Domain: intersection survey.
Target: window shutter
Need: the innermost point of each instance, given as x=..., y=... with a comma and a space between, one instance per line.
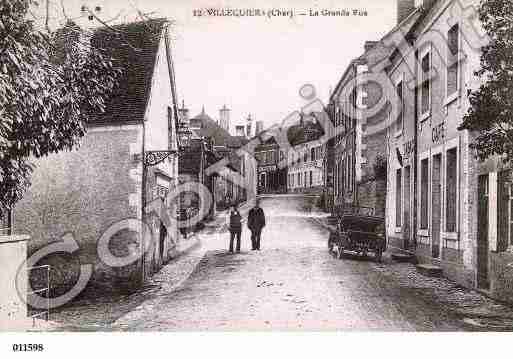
x=503, y=212
x=452, y=59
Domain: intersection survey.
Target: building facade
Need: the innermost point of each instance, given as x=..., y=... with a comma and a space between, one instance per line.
x=104, y=188
x=271, y=178
x=443, y=205
x=356, y=151
x=305, y=171
x=215, y=145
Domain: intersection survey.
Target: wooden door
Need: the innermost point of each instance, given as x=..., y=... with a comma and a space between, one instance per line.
x=482, y=234
x=406, y=209
x=436, y=206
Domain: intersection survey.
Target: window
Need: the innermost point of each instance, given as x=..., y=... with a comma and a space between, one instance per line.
x=311, y=179
x=349, y=172
x=424, y=188
x=341, y=176
x=398, y=187
x=312, y=154
x=306, y=180
x=299, y=179
x=510, y=214
x=306, y=156
x=425, y=90
x=453, y=43
x=504, y=210
x=281, y=155
x=400, y=95
x=451, y=188
x=335, y=179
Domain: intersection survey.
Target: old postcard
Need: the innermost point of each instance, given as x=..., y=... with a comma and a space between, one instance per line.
x=237, y=166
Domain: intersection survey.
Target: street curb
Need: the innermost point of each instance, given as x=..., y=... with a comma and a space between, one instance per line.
x=190, y=244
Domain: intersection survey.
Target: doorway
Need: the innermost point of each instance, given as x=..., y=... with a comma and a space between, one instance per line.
x=406, y=208
x=482, y=234
x=436, y=206
x=162, y=240
x=262, y=181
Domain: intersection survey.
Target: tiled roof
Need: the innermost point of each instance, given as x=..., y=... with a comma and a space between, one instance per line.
x=207, y=127
x=133, y=48
x=309, y=131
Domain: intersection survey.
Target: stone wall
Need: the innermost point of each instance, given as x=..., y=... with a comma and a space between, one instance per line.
x=80, y=194
x=373, y=194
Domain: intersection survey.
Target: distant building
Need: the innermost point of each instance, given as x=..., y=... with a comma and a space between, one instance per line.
x=356, y=152
x=305, y=161
x=214, y=143
x=184, y=114
x=271, y=178
x=240, y=131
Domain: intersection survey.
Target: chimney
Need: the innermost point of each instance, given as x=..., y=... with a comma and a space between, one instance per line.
x=224, y=118
x=248, y=126
x=259, y=127
x=184, y=114
x=239, y=131
x=301, y=119
x=369, y=45
x=405, y=8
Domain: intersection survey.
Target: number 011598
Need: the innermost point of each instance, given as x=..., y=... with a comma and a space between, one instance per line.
x=28, y=348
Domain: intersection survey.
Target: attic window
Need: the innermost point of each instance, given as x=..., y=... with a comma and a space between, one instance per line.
x=425, y=90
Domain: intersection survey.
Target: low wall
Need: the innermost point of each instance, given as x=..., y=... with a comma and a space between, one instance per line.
x=501, y=276
x=13, y=308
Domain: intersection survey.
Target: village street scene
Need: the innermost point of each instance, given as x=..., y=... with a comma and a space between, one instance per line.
x=154, y=179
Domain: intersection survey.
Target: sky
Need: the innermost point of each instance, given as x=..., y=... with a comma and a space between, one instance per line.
x=255, y=65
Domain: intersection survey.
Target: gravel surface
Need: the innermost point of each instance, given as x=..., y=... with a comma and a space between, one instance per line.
x=292, y=284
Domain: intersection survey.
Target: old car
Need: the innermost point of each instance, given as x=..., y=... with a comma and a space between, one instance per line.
x=358, y=231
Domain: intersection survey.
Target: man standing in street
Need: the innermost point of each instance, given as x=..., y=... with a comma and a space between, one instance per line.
x=235, y=227
x=256, y=221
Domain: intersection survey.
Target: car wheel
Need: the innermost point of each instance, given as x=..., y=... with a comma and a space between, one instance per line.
x=379, y=255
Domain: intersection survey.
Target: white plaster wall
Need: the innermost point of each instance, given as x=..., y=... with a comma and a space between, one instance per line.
x=157, y=125
x=13, y=309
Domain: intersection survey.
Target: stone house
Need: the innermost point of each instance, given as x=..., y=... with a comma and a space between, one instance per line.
x=305, y=159
x=212, y=144
x=443, y=205
x=102, y=189
x=272, y=178
x=356, y=150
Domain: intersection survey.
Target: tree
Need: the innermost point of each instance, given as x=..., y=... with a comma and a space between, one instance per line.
x=49, y=83
x=491, y=106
